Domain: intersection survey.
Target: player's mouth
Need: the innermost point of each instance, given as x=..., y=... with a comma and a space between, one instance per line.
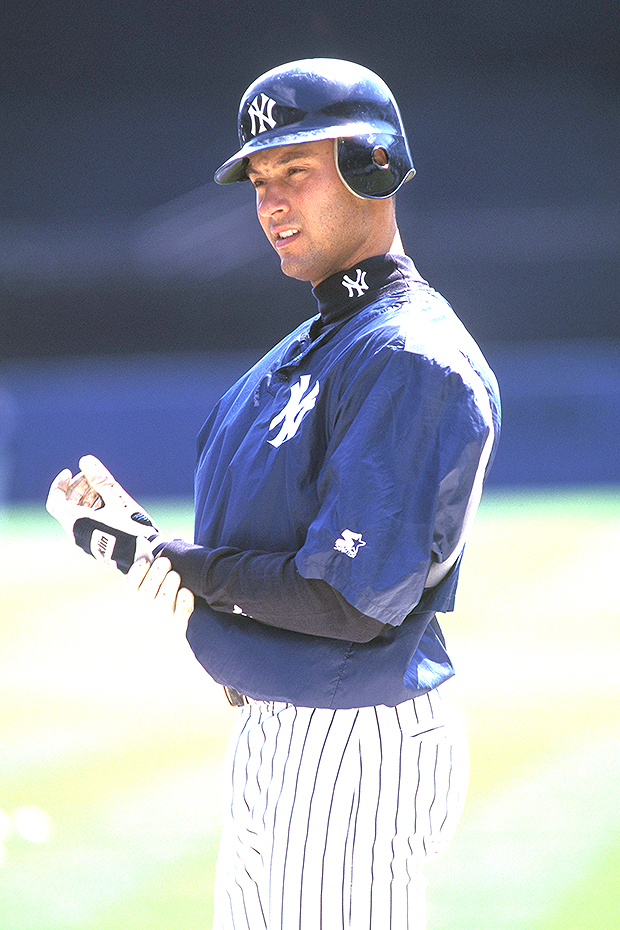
x=284, y=237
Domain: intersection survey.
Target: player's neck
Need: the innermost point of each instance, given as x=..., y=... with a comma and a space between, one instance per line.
x=396, y=247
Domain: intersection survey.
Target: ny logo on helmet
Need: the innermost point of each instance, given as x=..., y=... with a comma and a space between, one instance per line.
x=260, y=111
x=355, y=288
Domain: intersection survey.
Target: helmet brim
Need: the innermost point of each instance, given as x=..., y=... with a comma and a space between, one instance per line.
x=234, y=169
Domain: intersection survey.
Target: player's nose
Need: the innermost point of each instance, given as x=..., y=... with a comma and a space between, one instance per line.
x=270, y=200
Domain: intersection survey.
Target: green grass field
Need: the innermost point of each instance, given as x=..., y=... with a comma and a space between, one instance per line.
x=112, y=735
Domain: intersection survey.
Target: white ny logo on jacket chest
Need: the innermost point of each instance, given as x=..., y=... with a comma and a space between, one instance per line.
x=300, y=403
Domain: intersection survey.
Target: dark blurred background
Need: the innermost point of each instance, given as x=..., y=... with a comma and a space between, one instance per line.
x=133, y=289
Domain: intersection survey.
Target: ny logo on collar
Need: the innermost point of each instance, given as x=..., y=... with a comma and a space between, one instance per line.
x=355, y=288
x=260, y=111
x=300, y=403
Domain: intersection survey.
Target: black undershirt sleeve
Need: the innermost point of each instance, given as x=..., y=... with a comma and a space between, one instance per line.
x=267, y=587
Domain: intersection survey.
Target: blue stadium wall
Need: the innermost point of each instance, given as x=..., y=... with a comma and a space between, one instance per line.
x=140, y=415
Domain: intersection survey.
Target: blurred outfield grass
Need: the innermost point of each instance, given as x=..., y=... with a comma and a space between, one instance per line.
x=112, y=735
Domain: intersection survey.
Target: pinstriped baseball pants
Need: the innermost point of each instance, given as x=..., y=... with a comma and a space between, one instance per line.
x=331, y=815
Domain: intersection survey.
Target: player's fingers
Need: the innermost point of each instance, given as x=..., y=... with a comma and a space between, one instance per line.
x=157, y=571
x=81, y=492
x=94, y=469
x=93, y=499
x=58, y=491
x=104, y=482
x=76, y=487
x=168, y=590
x=97, y=474
x=184, y=606
x=137, y=573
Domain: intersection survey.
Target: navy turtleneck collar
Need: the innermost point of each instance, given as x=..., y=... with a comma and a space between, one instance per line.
x=343, y=294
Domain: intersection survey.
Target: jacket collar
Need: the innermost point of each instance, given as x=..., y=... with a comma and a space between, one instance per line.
x=344, y=293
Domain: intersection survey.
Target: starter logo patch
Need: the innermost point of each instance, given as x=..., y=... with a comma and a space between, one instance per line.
x=349, y=543
x=301, y=402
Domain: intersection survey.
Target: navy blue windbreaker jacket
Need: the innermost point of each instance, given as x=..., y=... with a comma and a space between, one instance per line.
x=359, y=444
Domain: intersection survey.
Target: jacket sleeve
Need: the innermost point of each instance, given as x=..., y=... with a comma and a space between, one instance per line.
x=267, y=587
x=410, y=442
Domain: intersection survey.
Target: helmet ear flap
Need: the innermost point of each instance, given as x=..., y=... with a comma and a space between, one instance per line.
x=374, y=166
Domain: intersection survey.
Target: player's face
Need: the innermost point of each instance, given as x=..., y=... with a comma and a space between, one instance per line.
x=315, y=224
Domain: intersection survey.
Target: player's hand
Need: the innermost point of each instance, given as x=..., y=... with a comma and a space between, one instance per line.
x=157, y=584
x=100, y=516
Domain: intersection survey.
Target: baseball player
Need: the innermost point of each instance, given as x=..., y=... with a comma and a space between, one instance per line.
x=335, y=486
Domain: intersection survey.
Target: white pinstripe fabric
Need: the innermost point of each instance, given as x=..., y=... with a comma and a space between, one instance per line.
x=330, y=815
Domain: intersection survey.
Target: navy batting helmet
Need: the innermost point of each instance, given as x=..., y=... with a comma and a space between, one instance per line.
x=325, y=98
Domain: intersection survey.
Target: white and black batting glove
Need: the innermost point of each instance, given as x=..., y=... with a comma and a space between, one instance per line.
x=100, y=516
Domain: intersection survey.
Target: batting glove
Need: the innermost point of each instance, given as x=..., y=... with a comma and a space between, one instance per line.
x=100, y=516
